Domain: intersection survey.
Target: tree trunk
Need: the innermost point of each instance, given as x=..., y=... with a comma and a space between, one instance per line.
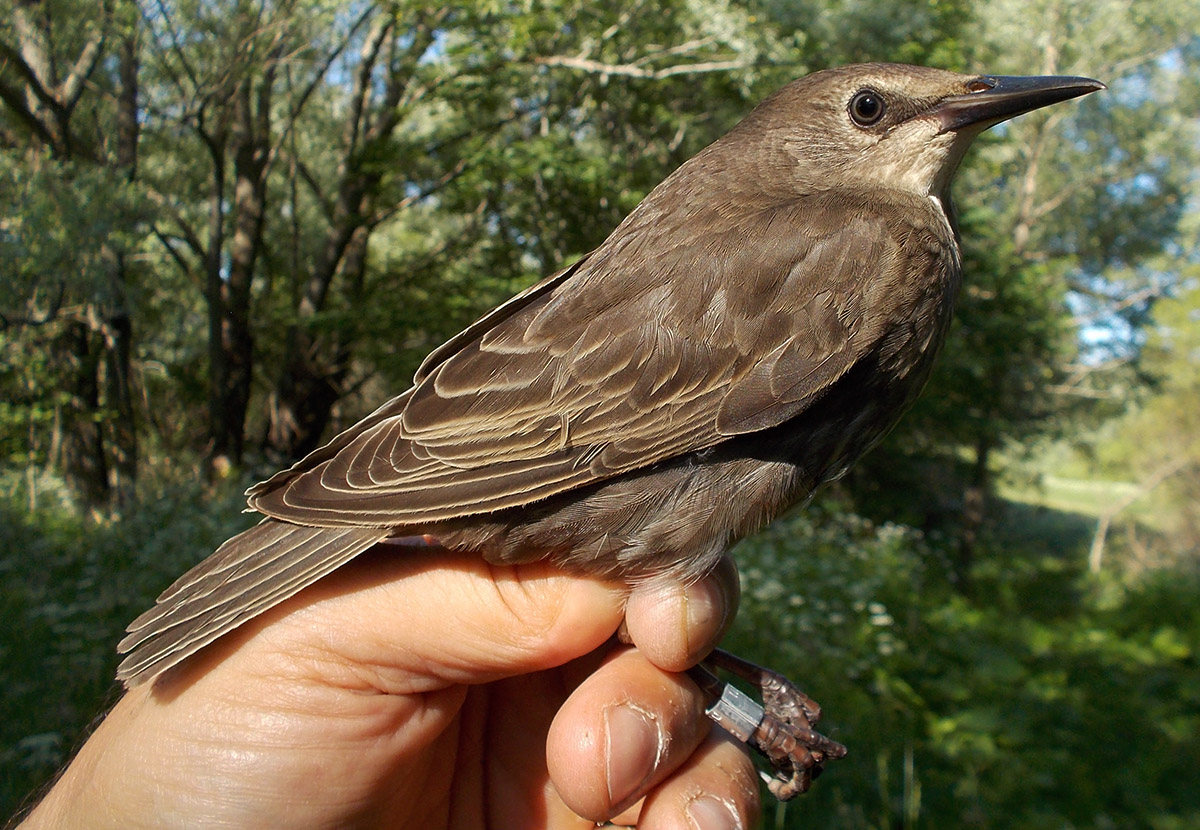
x=224, y=431
x=314, y=371
x=85, y=466
x=94, y=346
x=975, y=498
x=119, y=397
x=119, y=391
x=230, y=299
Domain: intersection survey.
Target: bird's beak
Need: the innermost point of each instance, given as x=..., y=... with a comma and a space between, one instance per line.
x=991, y=99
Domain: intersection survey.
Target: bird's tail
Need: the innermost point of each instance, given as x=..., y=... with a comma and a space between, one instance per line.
x=250, y=573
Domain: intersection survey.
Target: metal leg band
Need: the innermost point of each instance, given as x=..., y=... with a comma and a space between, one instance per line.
x=736, y=713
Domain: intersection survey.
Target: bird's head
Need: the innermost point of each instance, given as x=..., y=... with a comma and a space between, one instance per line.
x=892, y=125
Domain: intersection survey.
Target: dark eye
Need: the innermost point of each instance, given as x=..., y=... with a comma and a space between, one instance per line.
x=866, y=107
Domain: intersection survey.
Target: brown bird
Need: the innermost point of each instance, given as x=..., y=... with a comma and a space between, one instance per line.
x=758, y=322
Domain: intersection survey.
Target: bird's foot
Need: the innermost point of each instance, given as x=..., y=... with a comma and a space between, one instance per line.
x=781, y=729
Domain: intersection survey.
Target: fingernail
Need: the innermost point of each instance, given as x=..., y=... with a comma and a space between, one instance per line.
x=728, y=591
x=634, y=747
x=708, y=611
x=708, y=813
x=705, y=602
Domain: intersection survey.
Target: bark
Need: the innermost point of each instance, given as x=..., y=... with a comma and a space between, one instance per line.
x=120, y=390
x=85, y=464
x=233, y=122
x=310, y=382
x=315, y=370
x=975, y=498
x=1145, y=486
x=119, y=395
x=223, y=430
x=231, y=315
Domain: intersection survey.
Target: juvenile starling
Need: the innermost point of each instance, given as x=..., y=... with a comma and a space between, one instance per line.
x=758, y=322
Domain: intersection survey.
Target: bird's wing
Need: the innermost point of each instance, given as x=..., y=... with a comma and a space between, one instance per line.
x=395, y=406
x=650, y=349
x=250, y=573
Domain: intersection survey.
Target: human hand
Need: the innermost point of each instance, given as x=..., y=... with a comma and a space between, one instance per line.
x=423, y=688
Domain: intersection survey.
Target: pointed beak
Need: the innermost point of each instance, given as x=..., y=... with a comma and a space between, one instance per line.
x=991, y=99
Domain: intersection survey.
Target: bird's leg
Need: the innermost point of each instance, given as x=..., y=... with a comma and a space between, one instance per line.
x=781, y=729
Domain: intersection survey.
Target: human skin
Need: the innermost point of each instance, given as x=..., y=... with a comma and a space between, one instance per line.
x=429, y=689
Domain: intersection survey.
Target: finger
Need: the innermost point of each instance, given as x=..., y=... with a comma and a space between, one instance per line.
x=715, y=789
x=622, y=731
x=675, y=625
x=408, y=620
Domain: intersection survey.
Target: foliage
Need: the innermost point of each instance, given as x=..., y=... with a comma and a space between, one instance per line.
x=1160, y=439
x=59, y=217
x=1068, y=217
x=471, y=150
x=1044, y=700
x=68, y=587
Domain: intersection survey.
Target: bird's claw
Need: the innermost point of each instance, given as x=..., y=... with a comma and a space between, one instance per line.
x=781, y=729
x=797, y=753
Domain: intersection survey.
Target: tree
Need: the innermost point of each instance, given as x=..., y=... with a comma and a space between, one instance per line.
x=70, y=137
x=239, y=91
x=1061, y=212
x=1160, y=437
x=506, y=126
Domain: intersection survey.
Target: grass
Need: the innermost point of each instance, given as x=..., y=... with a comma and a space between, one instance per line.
x=69, y=585
x=1092, y=498
x=1089, y=497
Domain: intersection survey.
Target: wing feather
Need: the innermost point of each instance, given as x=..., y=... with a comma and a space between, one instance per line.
x=639, y=354
x=250, y=573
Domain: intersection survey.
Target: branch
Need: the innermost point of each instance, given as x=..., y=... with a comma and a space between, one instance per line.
x=189, y=236
x=368, y=55
x=1075, y=391
x=628, y=70
x=313, y=185
x=178, y=257
x=1081, y=372
x=51, y=314
x=1170, y=468
x=443, y=180
x=399, y=76
x=33, y=65
x=11, y=56
x=1060, y=196
x=175, y=47
x=678, y=49
x=31, y=40
x=1147, y=293
x=71, y=88
x=16, y=102
x=315, y=82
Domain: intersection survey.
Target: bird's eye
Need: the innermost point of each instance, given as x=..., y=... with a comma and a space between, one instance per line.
x=866, y=107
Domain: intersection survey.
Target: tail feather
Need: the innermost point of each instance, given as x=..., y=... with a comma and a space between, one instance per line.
x=247, y=575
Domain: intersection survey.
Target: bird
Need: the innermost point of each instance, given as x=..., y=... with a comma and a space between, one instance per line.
x=758, y=322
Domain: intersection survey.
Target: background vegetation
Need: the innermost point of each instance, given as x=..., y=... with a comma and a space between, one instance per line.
x=228, y=229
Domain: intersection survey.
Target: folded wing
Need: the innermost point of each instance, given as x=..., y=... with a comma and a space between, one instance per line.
x=640, y=353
